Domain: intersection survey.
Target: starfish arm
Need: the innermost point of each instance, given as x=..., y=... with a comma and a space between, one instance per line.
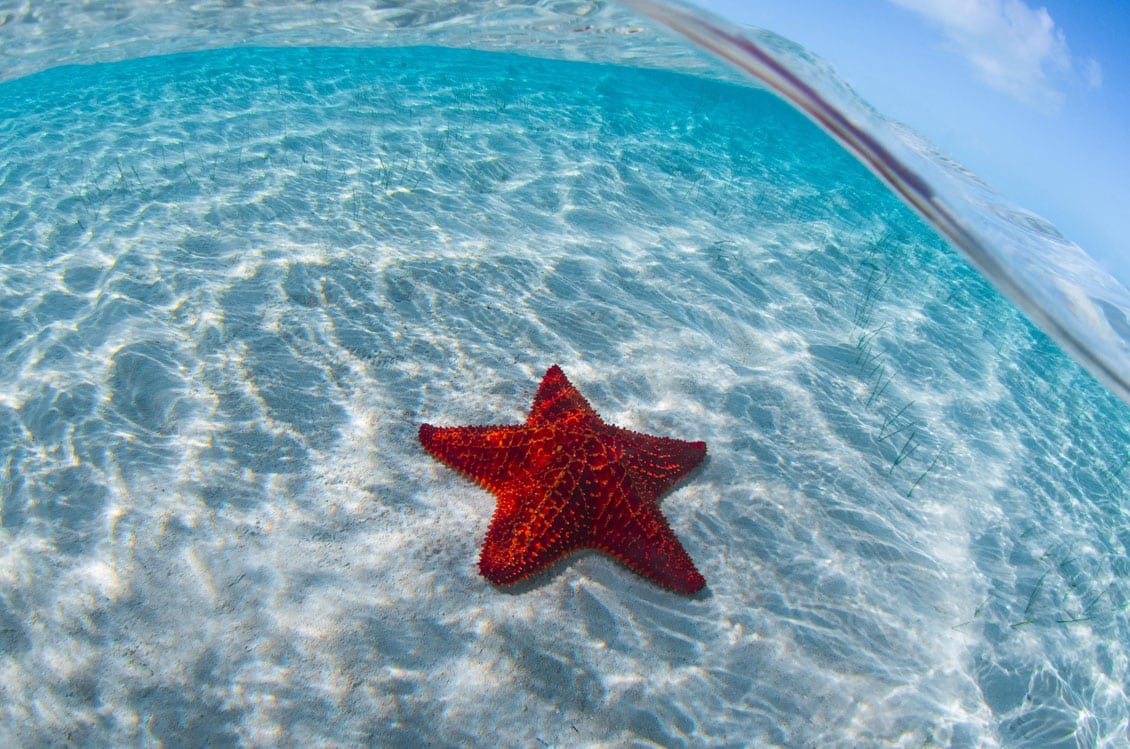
x=655, y=464
x=492, y=456
x=640, y=537
x=631, y=528
x=530, y=532
x=558, y=401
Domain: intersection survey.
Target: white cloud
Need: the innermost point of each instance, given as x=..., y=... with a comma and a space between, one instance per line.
x=1093, y=72
x=1013, y=47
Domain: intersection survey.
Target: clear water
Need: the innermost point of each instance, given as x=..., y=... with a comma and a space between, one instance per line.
x=234, y=282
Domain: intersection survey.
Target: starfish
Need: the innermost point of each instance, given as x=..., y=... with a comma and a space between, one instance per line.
x=567, y=481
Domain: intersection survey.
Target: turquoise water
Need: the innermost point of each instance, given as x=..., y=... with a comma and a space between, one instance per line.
x=235, y=282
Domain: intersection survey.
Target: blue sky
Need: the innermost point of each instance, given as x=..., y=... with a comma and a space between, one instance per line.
x=1032, y=97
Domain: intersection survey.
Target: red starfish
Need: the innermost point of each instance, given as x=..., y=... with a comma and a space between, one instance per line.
x=565, y=481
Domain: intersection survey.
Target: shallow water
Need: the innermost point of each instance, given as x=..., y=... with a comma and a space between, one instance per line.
x=234, y=282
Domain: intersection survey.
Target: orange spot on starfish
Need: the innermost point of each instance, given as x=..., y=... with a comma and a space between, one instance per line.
x=567, y=481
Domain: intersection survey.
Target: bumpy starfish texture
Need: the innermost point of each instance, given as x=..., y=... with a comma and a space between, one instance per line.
x=567, y=481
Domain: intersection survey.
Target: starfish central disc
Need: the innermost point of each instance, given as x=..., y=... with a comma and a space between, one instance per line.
x=566, y=481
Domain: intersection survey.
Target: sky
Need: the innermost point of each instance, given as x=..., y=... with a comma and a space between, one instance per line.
x=1033, y=97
